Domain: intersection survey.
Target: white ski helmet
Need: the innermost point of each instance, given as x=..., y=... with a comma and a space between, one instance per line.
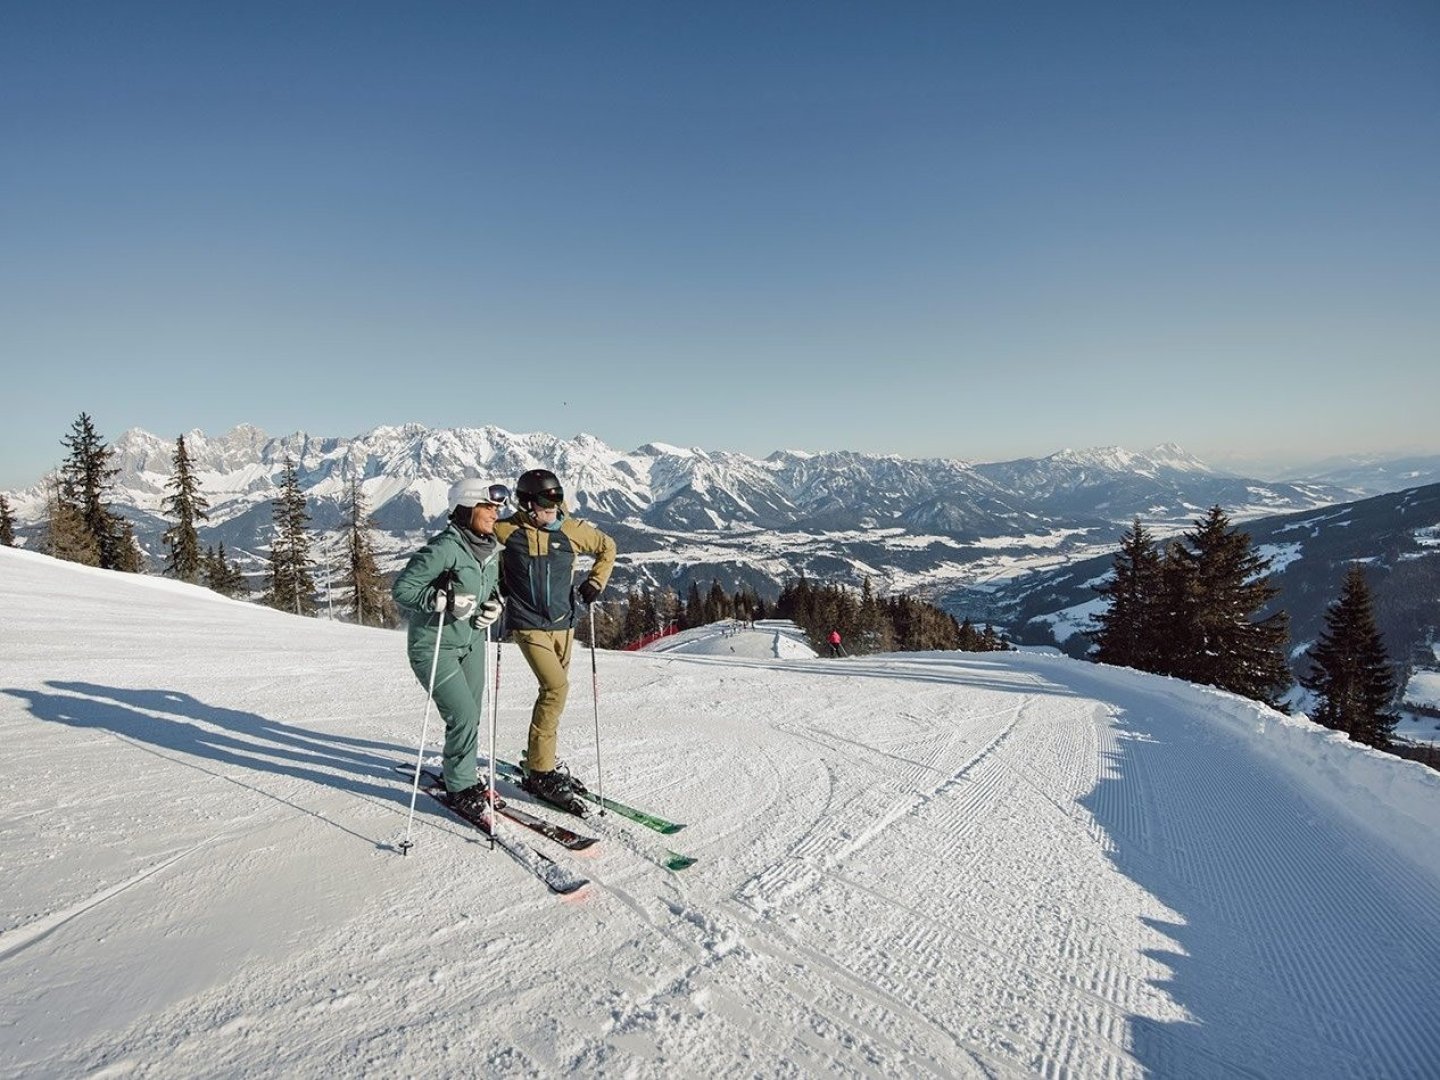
x=475, y=492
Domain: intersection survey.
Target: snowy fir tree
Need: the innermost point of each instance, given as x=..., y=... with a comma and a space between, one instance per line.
x=65, y=534
x=1227, y=645
x=86, y=480
x=292, y=585
x=370, y=601
x=186, y=506
x=1127, y=628
x=1193, y=611
x=1351, y=673
x=222, y=575
x=7, y=523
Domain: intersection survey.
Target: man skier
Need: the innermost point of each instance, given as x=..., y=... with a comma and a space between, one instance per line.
x=835, y=649
x=538, y=546
x=450, y=587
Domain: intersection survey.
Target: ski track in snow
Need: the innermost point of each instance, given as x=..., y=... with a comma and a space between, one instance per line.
x=940, y=865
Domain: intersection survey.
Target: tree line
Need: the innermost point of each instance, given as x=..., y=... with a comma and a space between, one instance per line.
x=868, y=624
x=1195, y=608
x=81, y=525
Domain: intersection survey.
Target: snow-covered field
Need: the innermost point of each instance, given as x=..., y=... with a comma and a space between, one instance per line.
x=939, y=865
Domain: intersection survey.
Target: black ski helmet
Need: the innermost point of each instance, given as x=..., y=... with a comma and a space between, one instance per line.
x=539, y=487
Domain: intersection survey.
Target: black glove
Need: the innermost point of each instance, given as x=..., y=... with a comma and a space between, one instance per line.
x=589, y=590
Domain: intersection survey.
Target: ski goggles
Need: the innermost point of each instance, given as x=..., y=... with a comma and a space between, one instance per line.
x=495, y=495
x=549, y=499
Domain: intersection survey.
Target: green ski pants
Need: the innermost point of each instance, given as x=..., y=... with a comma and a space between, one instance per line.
x=459, y=696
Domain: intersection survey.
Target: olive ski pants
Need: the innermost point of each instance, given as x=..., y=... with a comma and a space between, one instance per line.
x=548, y=654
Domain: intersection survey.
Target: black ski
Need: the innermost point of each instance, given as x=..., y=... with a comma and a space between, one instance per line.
x=557, y=878
x=565, y=837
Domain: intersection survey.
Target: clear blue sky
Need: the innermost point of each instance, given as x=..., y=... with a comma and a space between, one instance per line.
x=977, y=230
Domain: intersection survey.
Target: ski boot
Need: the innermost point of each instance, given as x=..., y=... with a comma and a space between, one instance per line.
x=474, y=800
x=553, y=788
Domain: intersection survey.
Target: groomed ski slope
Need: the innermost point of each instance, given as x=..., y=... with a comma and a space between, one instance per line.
x=940, y=865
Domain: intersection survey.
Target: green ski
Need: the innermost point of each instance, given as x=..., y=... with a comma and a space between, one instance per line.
x=511, y=771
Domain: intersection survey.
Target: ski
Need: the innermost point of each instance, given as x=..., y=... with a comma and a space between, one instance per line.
x=565, y=837
x=511, y=771
x=557, y=878
x=666, y=859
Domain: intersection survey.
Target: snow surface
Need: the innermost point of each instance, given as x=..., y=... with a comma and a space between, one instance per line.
x=1423, y=689
x=911, y=865
x=764, y=640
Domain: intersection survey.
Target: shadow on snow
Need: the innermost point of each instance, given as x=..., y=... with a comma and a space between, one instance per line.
x=180, y=723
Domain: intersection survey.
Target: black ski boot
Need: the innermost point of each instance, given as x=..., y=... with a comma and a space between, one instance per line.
x=553, y=788
x=473, y=801
x=576, y=784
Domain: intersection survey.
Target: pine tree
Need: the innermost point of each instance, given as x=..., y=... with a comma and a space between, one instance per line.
x=717, y=604
x=371, y=603
x=1127, y=627
x=1229, y=584
x=1351, y=673
x=694, y=608
x=86, y=479
x=7, y=523
x=292, y=585
x=66, y=535
x=221, y=574
x=187, y=506
x=1166, y=647
x=633, y=627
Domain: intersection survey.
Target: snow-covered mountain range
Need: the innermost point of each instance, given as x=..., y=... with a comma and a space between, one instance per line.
x=685, y=515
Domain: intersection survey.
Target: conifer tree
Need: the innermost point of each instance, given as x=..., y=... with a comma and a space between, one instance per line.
x=371, y=603
x=717, y=604
x=221, y=574
x=1351, y=674
x=66, y=535
x=86, y=479
x=1127, y=628
x=635, y=626
x=7, y=523
x=187, y=506
x=1166, y=648
x=1229, y=585
x=609, y=626
x=694, y=608
x=292, y=585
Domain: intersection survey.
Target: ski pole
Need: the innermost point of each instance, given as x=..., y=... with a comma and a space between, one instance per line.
x=405, y=844
x=595, y=696
x=494, y=710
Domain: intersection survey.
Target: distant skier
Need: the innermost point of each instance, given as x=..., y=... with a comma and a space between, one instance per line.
x=539, y=545
x=455, y=579
x=836, y=649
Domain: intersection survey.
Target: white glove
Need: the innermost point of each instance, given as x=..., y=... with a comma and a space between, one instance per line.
x=489, y=611
x=441, y=601
x=464, y=605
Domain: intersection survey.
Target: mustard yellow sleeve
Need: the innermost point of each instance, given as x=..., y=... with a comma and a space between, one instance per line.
x=589, y=540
